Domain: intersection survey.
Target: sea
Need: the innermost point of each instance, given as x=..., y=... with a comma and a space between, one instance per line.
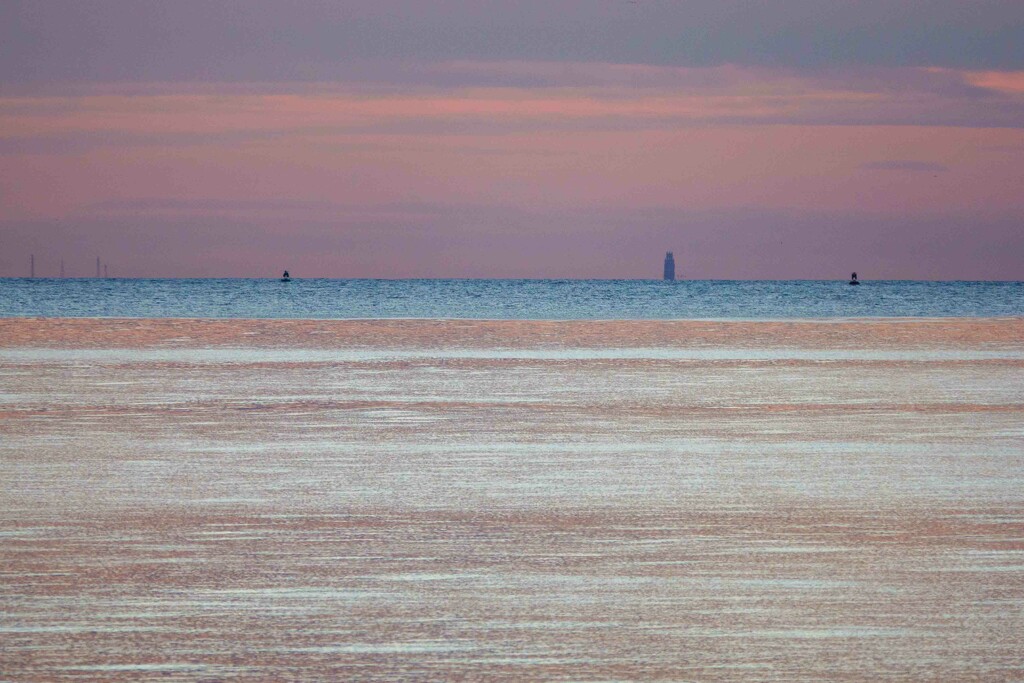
x=506, y=299
x=807, y=481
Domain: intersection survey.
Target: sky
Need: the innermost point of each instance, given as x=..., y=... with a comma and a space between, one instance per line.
x=539, y=139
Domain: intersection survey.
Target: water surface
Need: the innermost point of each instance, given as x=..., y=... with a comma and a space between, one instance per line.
x=505, y=299
x=573, y=501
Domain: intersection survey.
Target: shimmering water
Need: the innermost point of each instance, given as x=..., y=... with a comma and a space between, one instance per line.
x=396, y=500
x=505, y=299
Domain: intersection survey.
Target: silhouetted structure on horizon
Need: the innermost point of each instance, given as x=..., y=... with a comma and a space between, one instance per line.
x=670, y=266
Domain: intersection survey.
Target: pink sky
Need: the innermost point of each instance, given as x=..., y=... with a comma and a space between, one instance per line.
x=522, y=168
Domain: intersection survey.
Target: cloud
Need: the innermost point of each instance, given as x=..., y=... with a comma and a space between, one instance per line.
x=564, y=97
x=905, y=165
x=261, y=210
x=1010, y=82
x=502, y=167
x=267, y=40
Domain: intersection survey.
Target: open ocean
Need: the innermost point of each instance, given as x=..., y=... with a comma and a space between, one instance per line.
x=505, y=299
x=563, y=480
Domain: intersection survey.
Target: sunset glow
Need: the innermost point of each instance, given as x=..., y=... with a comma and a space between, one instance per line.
x=510, y=163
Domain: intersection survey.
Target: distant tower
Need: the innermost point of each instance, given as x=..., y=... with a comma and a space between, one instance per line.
x=670, y=267
x=32, y=265
x=97, y=266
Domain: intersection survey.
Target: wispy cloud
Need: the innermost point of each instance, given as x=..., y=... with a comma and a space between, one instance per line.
x=562, y=97
x=260, y=40
x=905, y=165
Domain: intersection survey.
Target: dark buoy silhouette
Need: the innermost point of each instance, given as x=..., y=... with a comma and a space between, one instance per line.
x=286, y=277
x=853, y=279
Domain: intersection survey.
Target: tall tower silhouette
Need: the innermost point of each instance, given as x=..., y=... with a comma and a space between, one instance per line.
x=670, y=267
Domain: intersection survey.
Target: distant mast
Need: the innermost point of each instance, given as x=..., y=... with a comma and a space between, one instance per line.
x=97, y=266
x=670, y=267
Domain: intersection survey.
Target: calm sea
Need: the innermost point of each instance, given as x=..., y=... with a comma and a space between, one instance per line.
x=504, y=299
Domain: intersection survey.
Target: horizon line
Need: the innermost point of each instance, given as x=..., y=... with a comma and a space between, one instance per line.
x=505, y=279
